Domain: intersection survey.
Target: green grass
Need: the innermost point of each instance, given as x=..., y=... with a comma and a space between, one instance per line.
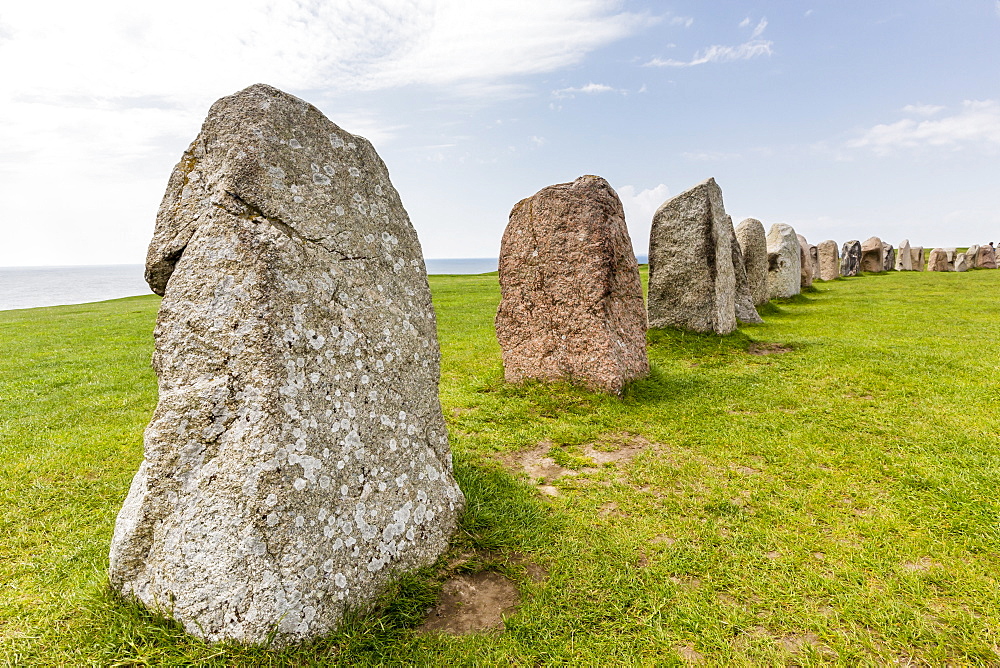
x=835, y=503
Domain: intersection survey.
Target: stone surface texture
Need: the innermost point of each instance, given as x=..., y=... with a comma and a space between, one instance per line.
x=961, y=262
x=753, y=244
x=888, y=257
x=828, y=260
x=917, y=259
x=872, y=255
x=805, y=263
x=986, y=258
x=850, y=258
x=784, y=261
x=692, y=284
x=938, y=260
x=745, y=310
x=904, y=259
x=297, y=459
x=571, y=306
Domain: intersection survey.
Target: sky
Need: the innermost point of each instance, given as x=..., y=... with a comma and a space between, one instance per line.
x=843, y=118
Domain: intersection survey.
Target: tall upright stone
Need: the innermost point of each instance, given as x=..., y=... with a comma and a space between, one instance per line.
x=850, y=258
x=814, y=260
x=297, y=460
x=904, y=261
x=805, y=263
x=987, y=257
x=961, y=262
x=692, y=284
x=917, y=259
x=753, y=244
x=888, y=257
x=828, y=260
x=938, y=260
x=743, y=300
x=972, y=256
x=872, y=255
x=784, y=256
x=571, y=303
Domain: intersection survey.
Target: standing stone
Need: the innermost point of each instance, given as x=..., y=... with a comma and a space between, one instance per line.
x=972, y=256
x=904, y=260
x=850, y=258
x=784, y=259
x=805, y=263
x=872, y=255
x=745, y=311
x=961, y=262
x=917, y=259
x=986, y=258
x=753, y=244
x=938, y=260
x=297, y=460
x=888, y=257
x=827, y=260
x=571, y=306
x=692, y=284
x=951, y=254
x=814, y=260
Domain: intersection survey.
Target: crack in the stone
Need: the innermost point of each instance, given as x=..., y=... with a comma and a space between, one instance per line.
x=252, y=212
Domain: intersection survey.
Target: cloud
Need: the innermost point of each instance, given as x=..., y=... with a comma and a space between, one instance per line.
x=588, y=89
x=976, y=125
x=686, y=21
x=758, y=29
x=923, y=109
x=639, y=209
x=720, y=54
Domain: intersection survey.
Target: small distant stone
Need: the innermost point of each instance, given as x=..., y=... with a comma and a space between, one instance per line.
x=850, y=258
x=917, y=259
x=938, y=260
x=805, y=263
x=753, y=244
x=986, y=258
x=904, y=259
x=873, y=255
x=888, y=257
x=784, y=256
x=828, y=260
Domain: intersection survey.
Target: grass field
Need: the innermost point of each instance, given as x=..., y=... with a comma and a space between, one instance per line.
x=834, y=503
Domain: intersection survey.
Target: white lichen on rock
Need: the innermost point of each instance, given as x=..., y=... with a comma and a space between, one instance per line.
x=298, y=458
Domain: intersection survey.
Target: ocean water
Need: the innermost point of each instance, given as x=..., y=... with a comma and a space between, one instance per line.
x=29, y=287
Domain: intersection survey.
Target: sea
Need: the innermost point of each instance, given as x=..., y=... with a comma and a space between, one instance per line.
x=30, y=287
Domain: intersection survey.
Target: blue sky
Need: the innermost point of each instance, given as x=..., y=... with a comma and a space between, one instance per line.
x=845, y=119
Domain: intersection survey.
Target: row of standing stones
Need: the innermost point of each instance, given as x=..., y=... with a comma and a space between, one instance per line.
x=297, y=459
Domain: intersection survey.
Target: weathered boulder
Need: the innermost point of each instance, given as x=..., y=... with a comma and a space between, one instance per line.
x=972, y=256
x=805, y=263
x=692, y=284
x=784, y=258
x=987, y=257
x=753, y=244
x=888, y=257
x=951, y=254
x=873, y=255
x=814, y=260
x=938, y=260
x=571, y=306
x=745, y=311
x=961, y=262
x=904, y=260
x=828, y=260
x=850, y=258
x=297, y=459
x=917, y=259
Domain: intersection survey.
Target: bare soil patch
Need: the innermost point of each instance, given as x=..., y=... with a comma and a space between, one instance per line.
x=760, y=348
x=473, y=603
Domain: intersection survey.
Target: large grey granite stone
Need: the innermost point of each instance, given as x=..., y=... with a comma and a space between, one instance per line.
x=784, y=261
x=692, y=284
x=904, y=259
x=753, y=245
x=297, y=459
x=745, y=310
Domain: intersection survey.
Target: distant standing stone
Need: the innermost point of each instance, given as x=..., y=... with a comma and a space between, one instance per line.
x=986, y=258
x=692, y=284
x=972, y=256
x=917, y=259
x=850, y=258
x=904, y=261
x=814, y=260
x=784, y=255
x=888, y=257
x=938, y=260
x=571, y=306
x=745, y=311
x=872, y=255
x=828, y=260
x=961, y=262
x=753, y=244
x=297, y=460
x=805, y=263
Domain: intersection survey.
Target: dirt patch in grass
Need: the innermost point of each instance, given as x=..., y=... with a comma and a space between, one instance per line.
x=622, y=448
x=540, y=467
x=536, y=463
x=472, y=603
x=920, y=565
x=690, y=656
x=761, y=348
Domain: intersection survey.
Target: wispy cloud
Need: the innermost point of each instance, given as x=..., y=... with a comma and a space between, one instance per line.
x=587, y=89
x=684, y=21
x=975, y=125
x=758, y=29
x=923, y=109
x=719, y=54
